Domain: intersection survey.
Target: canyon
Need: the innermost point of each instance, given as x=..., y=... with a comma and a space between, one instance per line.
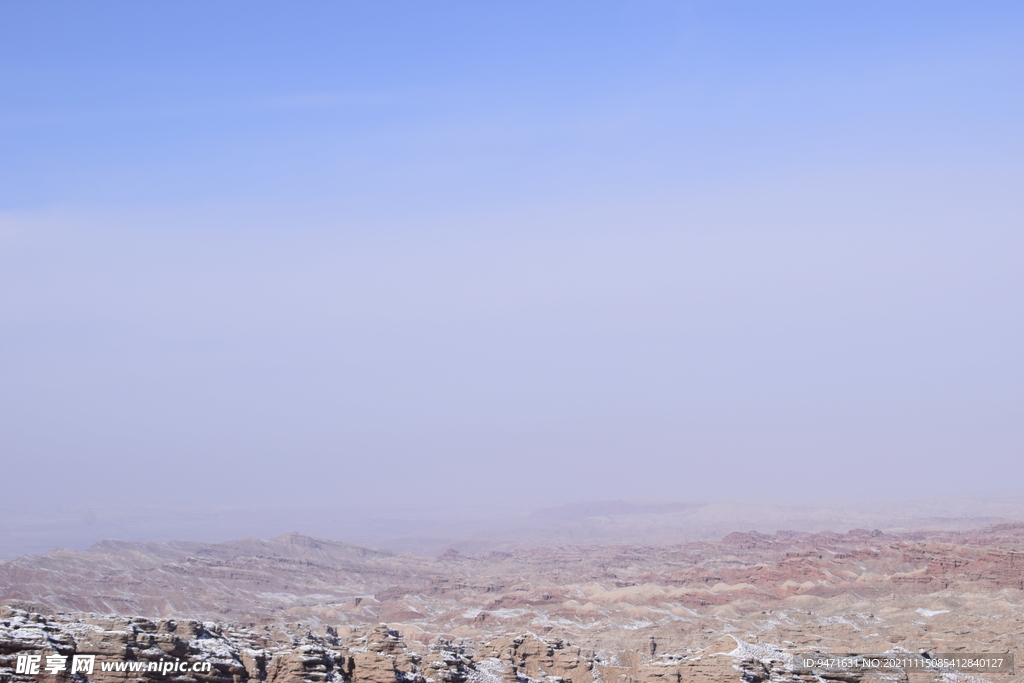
x=743, y=608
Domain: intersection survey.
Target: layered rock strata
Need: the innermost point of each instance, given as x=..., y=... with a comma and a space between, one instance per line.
x=188, y=651
x=296, y=608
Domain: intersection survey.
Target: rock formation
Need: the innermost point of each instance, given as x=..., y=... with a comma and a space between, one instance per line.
x=301, y=609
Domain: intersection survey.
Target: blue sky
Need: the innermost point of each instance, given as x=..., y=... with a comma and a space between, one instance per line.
x=345, y=106
x=509, y=251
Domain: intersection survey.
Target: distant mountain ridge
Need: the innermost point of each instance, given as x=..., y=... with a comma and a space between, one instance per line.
x=473, y=531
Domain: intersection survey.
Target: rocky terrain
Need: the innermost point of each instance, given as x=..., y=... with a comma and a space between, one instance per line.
x=295, y=608
x=474, y=530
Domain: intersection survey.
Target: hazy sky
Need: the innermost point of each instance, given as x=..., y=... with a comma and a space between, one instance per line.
x=513, y=252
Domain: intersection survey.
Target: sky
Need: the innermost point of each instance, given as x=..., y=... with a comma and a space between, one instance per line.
x=510, y=254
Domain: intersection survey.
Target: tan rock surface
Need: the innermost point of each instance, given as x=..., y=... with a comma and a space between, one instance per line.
x=295, y=608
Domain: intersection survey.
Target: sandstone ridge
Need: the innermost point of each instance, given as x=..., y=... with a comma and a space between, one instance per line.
x=589, y=614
